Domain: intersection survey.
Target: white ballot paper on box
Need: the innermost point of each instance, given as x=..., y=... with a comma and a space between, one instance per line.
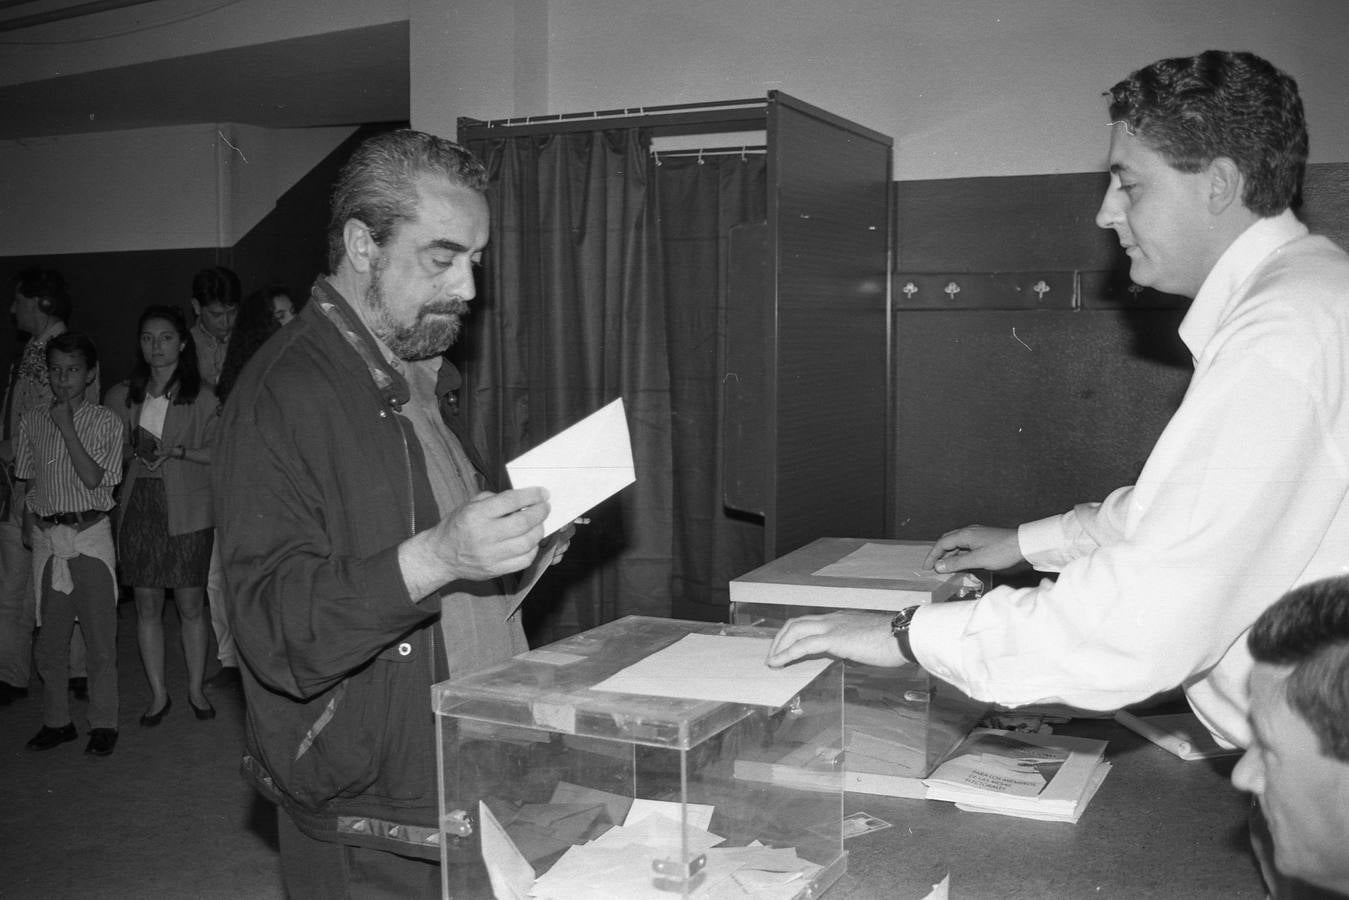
x=589, y=462
x=718, y=667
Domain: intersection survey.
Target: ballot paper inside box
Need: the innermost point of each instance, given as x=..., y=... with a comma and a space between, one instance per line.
x=898, y=723
x=570, y=785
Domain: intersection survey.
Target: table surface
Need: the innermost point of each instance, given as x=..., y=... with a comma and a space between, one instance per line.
x=1159, y=827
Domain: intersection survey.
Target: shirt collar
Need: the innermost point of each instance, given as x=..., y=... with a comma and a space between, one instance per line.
x=200, y=330
x=1242, y=257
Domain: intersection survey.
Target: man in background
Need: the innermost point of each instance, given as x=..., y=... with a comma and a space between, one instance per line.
x=216, y=293
x=362, y=554
x=1297, y=765
x=41, y=307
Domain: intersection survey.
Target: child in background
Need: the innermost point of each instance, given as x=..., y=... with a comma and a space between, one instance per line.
x=70, y=454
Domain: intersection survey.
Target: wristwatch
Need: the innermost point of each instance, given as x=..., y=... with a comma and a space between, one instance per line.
x=899, y=627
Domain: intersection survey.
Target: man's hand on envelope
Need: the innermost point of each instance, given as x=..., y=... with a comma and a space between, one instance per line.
x=490, y=535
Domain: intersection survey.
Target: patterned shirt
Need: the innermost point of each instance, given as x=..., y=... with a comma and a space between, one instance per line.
x=42, y=458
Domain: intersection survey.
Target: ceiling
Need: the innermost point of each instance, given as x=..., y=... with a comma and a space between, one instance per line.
x=341, y=78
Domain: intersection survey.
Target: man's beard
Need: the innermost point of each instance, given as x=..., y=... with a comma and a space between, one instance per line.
x=433, y=331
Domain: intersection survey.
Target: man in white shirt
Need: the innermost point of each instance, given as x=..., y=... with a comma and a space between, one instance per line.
x=1246, y=493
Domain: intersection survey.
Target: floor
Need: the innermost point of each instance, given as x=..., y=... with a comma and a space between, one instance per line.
x=167, y=815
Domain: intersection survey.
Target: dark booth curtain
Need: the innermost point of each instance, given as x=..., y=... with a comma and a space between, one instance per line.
x=701, y=200
x=578, y=308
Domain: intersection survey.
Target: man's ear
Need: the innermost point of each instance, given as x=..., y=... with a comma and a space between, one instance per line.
x=196, y=308
x=1226, y=184
x=360, y=245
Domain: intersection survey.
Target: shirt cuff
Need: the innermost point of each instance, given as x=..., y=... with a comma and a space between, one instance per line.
x=936, y=637
x=1042, y=543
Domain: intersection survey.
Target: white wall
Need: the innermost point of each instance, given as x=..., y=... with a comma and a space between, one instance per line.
x=152, y=31
x=966, y=87
x=152, y=188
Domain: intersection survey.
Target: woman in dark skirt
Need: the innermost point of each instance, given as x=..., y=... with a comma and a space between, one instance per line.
x=164, y=538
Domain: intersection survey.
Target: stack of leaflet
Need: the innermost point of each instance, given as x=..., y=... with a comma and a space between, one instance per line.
x=1034, y=776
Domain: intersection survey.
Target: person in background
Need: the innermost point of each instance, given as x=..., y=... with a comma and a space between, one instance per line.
x=70, y=457
x=1297, y=766
x=41, y=307
x=215, y=304
x=165, y=525
x=216, y=292
x=364, y=557
x=1246, y=493
x=284, y=308
x=259, y=318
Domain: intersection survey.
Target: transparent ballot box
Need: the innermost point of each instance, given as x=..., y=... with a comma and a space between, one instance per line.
x=898, y=723
x=569, y=784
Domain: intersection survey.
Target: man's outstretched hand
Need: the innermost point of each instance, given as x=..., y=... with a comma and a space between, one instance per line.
x=860, y=637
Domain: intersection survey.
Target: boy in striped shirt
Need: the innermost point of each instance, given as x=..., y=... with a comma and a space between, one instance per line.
x=70, y=455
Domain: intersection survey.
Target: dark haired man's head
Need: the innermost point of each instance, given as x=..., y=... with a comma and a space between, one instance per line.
x=216, y=292
x=1195, y=109
x=1298, y=761
x=1201, y=148
x=1307, y=631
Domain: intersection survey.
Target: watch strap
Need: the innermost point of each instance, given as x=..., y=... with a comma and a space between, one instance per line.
x=899, y=627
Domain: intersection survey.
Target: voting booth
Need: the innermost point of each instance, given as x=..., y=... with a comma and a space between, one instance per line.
x=626, y=762
x=898, y=723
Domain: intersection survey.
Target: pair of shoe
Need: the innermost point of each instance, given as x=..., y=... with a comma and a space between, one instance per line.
x=11, y=692
x=101, y=741
x=50, y=737
x=202, y=712
x=228, y=676
x=80, y=687
x=149, y=720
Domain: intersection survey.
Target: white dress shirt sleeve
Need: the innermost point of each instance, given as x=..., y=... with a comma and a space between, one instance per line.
x=1158, y=582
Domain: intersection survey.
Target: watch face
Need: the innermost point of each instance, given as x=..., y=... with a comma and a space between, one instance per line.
x=902, y=621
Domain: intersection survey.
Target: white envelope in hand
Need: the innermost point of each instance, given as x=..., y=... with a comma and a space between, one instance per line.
x=587, y=463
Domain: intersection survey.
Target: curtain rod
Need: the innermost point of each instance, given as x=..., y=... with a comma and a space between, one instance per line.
x=699, y=153
x=682, y=118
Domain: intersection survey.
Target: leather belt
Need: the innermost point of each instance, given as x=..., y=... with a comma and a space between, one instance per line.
x=79, y=520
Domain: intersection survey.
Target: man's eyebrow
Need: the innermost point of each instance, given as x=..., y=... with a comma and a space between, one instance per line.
x=446, y=244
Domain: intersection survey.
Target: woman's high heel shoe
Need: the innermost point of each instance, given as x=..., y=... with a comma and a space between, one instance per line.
x=206, y=712
x=149, y=720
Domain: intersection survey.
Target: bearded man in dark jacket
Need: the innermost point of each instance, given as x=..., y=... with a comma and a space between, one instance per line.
x=362, y=554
